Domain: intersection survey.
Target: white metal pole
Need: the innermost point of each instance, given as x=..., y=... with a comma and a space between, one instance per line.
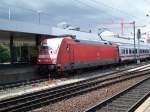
x=9, y=14
x=138, y=59
x=134, y=41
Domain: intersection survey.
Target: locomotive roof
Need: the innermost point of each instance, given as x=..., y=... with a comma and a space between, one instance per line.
x=90, y=37
x=79, y=35
x=94, y=42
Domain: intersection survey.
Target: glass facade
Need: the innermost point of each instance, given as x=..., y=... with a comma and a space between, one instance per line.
x=4, y=52
x=23, y=50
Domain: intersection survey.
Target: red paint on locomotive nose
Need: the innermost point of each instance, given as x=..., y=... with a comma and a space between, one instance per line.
x=43, y=52
x=44, y=61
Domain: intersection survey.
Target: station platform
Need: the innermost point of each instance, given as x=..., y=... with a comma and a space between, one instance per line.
x=17, y=73
x=26, y=89
x=145, y=107
x=16, y=68
x=51, y=83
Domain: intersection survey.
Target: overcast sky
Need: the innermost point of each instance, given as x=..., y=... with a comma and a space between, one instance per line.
x=83, y=13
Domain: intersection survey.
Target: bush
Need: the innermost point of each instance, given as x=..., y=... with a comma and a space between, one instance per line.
x=4, y=53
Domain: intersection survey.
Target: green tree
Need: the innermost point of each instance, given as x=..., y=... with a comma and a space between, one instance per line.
x=4, y=53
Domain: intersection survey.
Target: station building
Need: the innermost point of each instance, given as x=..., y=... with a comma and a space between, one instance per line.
x=19, y=41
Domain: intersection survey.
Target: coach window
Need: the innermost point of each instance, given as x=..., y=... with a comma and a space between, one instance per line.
x=133, y=51
x=146, y=51
x=123, y=51
x=126, y=51
x=129, y=51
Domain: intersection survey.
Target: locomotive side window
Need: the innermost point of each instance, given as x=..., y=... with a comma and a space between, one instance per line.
x=67, y=47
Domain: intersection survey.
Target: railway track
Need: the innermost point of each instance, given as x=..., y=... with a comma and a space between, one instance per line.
x=126, y=101
x=30, y=82
x=38, y=99
x=23, y=83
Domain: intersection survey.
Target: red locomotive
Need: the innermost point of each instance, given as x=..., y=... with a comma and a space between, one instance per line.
x=65, y=53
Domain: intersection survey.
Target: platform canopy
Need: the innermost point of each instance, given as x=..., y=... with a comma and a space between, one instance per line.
x=17, y=26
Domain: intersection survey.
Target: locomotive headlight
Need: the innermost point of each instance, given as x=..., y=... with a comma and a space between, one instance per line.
x=39, y=60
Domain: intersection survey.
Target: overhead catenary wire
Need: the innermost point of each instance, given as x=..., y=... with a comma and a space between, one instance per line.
x=96, y=8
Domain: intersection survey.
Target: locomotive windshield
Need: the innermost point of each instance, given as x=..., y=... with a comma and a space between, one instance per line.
x=54, y=43
x=51, y=44
x=45, y=47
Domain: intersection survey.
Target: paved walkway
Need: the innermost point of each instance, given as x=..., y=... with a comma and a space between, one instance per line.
x=17, y=69
x=145, y=107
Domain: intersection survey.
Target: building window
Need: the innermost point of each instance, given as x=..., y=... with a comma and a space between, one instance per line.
x=4, y=52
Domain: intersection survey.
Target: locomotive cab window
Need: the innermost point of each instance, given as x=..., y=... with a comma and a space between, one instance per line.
x=45, y=48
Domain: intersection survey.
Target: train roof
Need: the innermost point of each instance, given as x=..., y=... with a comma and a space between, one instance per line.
x=104, y=36
x=78, y=34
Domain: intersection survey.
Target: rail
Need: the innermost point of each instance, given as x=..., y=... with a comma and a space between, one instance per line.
x=35, y=100
x=125, y=101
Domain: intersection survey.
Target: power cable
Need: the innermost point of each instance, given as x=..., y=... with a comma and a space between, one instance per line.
x=92, y=7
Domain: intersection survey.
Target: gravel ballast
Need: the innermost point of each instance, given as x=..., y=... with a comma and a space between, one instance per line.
x=81, y=102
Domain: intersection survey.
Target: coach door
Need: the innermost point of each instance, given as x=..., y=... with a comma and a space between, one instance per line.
x=71, y=56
